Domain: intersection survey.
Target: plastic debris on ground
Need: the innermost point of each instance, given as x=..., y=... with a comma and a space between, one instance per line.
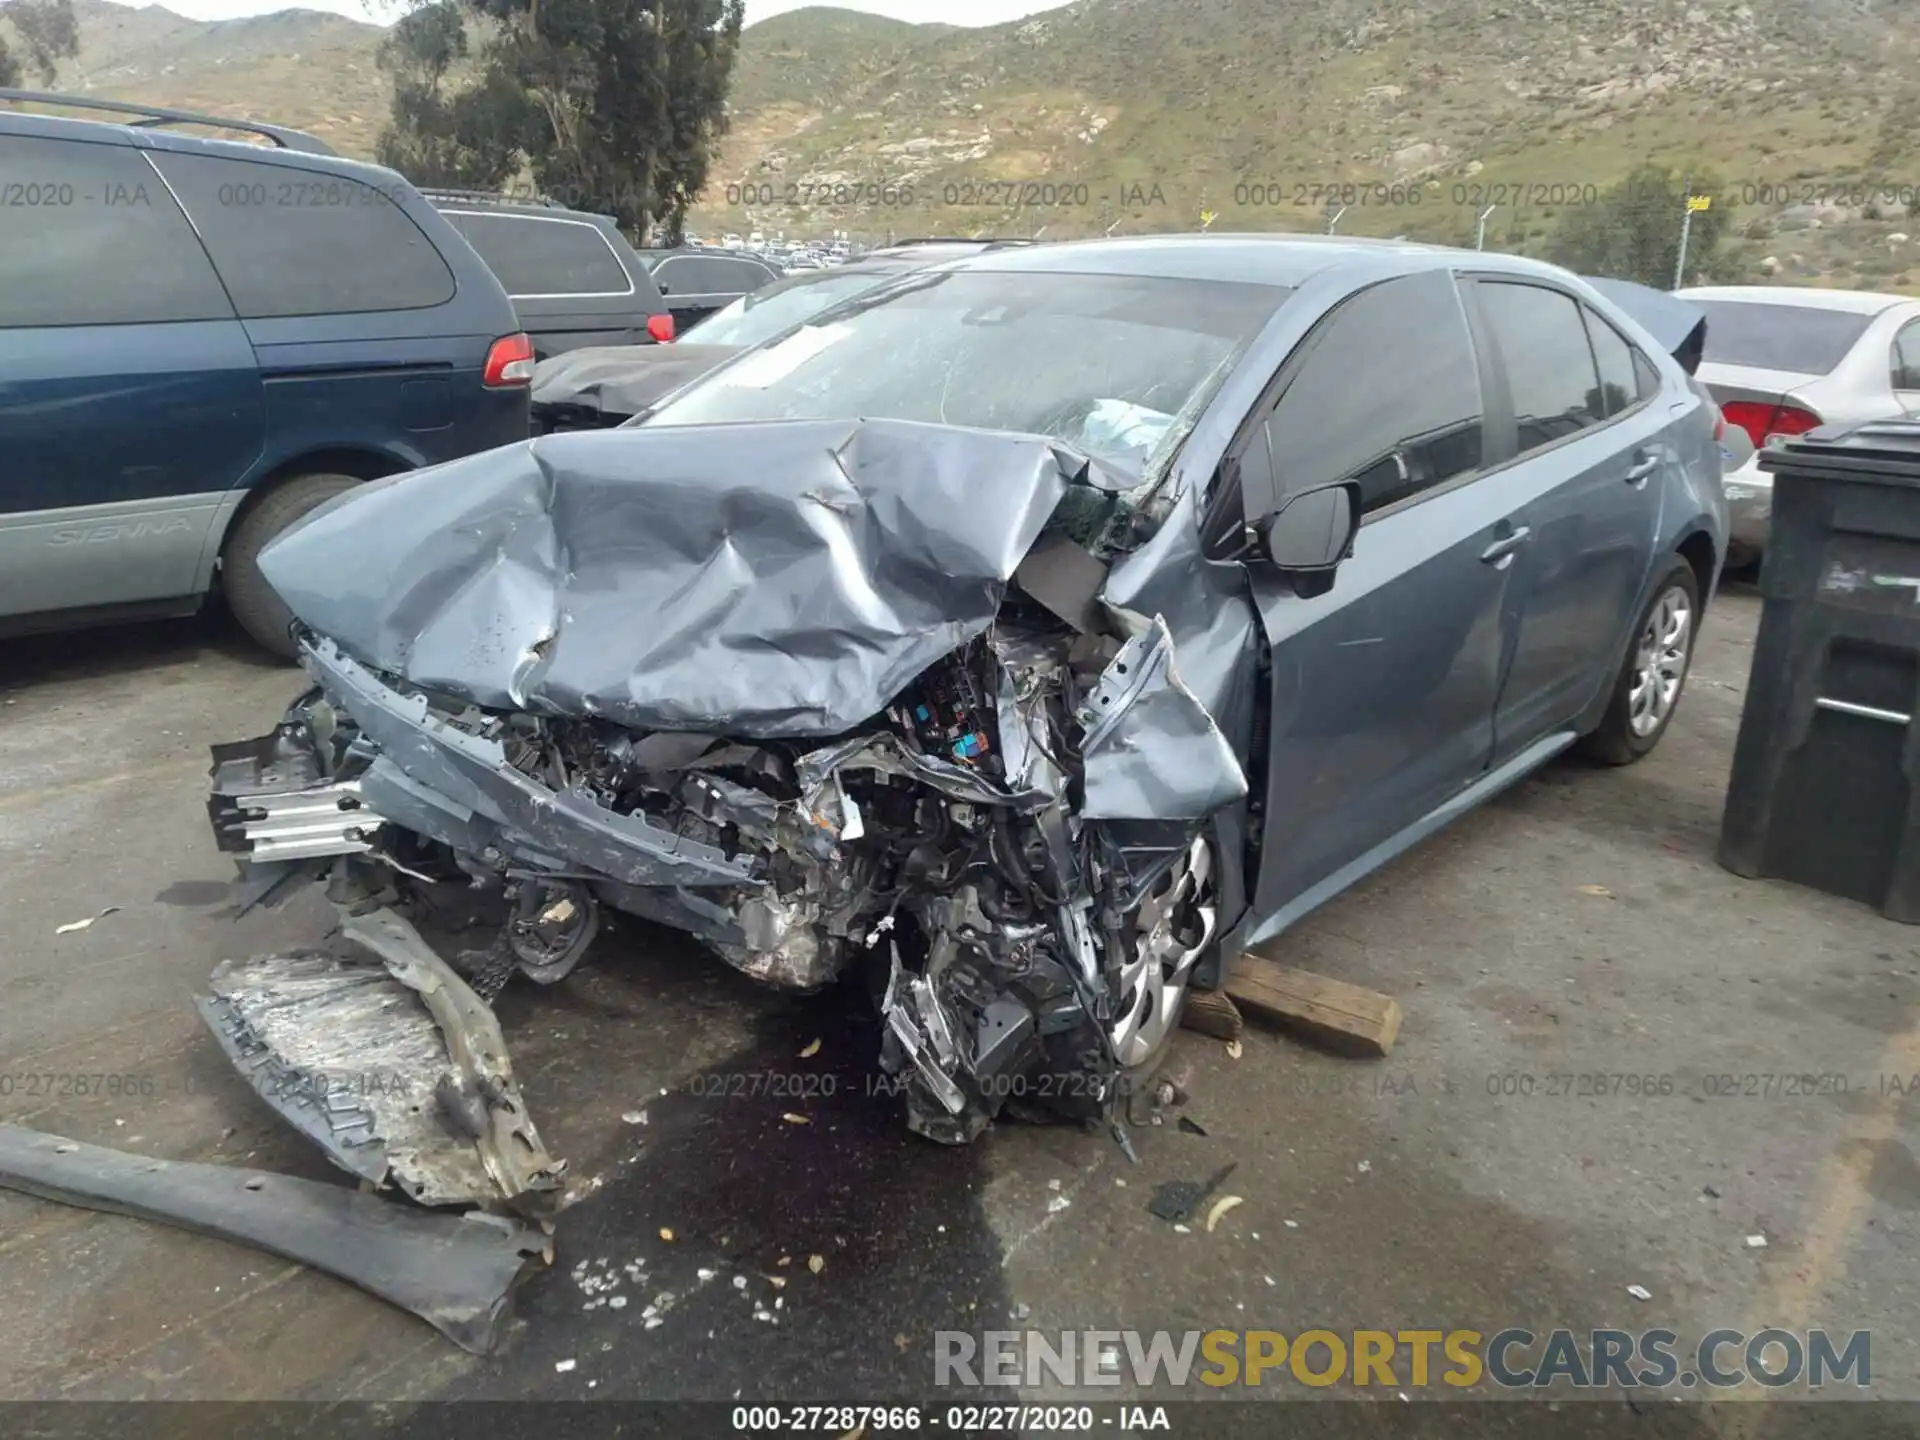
x=1177, y=1199
x=73, y=925
x=1220, y=1208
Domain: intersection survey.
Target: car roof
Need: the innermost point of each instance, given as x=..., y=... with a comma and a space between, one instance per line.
x=897, y=261
x=879, y=268
x=1858, y=302
x=932, y=249
x=655, y=256
x=1270, y=259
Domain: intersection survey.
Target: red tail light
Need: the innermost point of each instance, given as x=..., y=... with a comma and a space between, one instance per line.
x=1761, y=420
x=1790, y=420
x=660, y=327
x=509, y=362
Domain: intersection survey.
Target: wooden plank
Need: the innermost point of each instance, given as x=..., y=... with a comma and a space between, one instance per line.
x=1212, y=1012
x=1342, y=1016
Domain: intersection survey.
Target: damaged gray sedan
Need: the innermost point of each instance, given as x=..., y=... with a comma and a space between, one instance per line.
x=1021, y=639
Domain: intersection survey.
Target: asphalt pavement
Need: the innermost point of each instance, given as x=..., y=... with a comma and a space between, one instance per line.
x=793, y=1242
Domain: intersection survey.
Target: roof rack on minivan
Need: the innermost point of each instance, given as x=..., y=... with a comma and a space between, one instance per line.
x=156, y=115
x=488, y=197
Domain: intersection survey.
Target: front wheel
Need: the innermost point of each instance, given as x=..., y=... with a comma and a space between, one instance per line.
x=1169, y=935
x=1648, y=689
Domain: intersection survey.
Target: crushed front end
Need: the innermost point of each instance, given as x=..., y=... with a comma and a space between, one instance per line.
x=991, y=811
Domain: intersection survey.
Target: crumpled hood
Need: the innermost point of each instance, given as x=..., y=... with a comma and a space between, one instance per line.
x=622, y=380
x=761, y=580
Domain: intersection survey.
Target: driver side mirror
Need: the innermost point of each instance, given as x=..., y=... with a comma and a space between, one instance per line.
x=1309, y=535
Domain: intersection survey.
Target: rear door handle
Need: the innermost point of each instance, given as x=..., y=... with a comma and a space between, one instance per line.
x=1501, y=550
x=1644, y=464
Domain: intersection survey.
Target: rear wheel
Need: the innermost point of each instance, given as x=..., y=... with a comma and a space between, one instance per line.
x=1648, y=690
x=260, y=611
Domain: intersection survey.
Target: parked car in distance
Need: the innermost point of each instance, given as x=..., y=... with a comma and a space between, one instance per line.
x=202, y=340
x=695, y=283
x=1679, y=326
x=572, y=276
x=1783, y=360
x=596, y=388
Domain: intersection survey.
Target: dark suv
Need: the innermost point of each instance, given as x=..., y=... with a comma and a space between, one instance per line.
x=201, y=340
x=573, y=278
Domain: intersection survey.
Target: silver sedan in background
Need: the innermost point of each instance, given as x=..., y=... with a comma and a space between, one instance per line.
x=1782, y=361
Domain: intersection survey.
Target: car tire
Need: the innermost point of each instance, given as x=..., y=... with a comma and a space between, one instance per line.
x=1654, y=675
x=260, y=611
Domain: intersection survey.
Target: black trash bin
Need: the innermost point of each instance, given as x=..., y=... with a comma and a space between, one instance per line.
x=1824, y=786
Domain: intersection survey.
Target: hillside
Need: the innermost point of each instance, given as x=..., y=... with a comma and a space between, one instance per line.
x=305, y=68
x=1142, y=114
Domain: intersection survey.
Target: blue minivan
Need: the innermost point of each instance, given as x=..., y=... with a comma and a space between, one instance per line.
x=203, y=339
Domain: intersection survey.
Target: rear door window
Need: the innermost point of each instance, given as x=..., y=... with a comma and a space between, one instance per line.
x=539, y=256
x=1796, y=338
x=1542, y=344
x=1388, y=395
x=89, y=236
x=290, y=241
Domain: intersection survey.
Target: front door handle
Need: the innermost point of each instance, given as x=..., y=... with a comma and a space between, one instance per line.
x=1501, y=550
x=1644, y=464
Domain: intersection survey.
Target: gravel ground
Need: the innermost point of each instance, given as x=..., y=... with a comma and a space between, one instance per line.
x=1499, y=1169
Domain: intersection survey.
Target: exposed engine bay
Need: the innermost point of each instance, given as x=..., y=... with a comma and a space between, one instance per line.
x=1009, y=850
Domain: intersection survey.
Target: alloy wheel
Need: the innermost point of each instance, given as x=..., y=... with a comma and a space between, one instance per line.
x=1660, y=662
x=1172, y=927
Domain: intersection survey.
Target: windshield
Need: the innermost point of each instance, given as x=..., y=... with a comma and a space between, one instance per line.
x=1116, y=365
x=1797, y=338
x=765, y=313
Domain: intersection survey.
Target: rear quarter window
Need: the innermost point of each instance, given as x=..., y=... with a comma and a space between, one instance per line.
x=1796, y=338
x=537, y=255
x=291, y=241
x=1624, y=371
x=1906, y=357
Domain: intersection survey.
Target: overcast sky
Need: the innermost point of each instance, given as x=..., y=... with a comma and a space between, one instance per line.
x=953, y=12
